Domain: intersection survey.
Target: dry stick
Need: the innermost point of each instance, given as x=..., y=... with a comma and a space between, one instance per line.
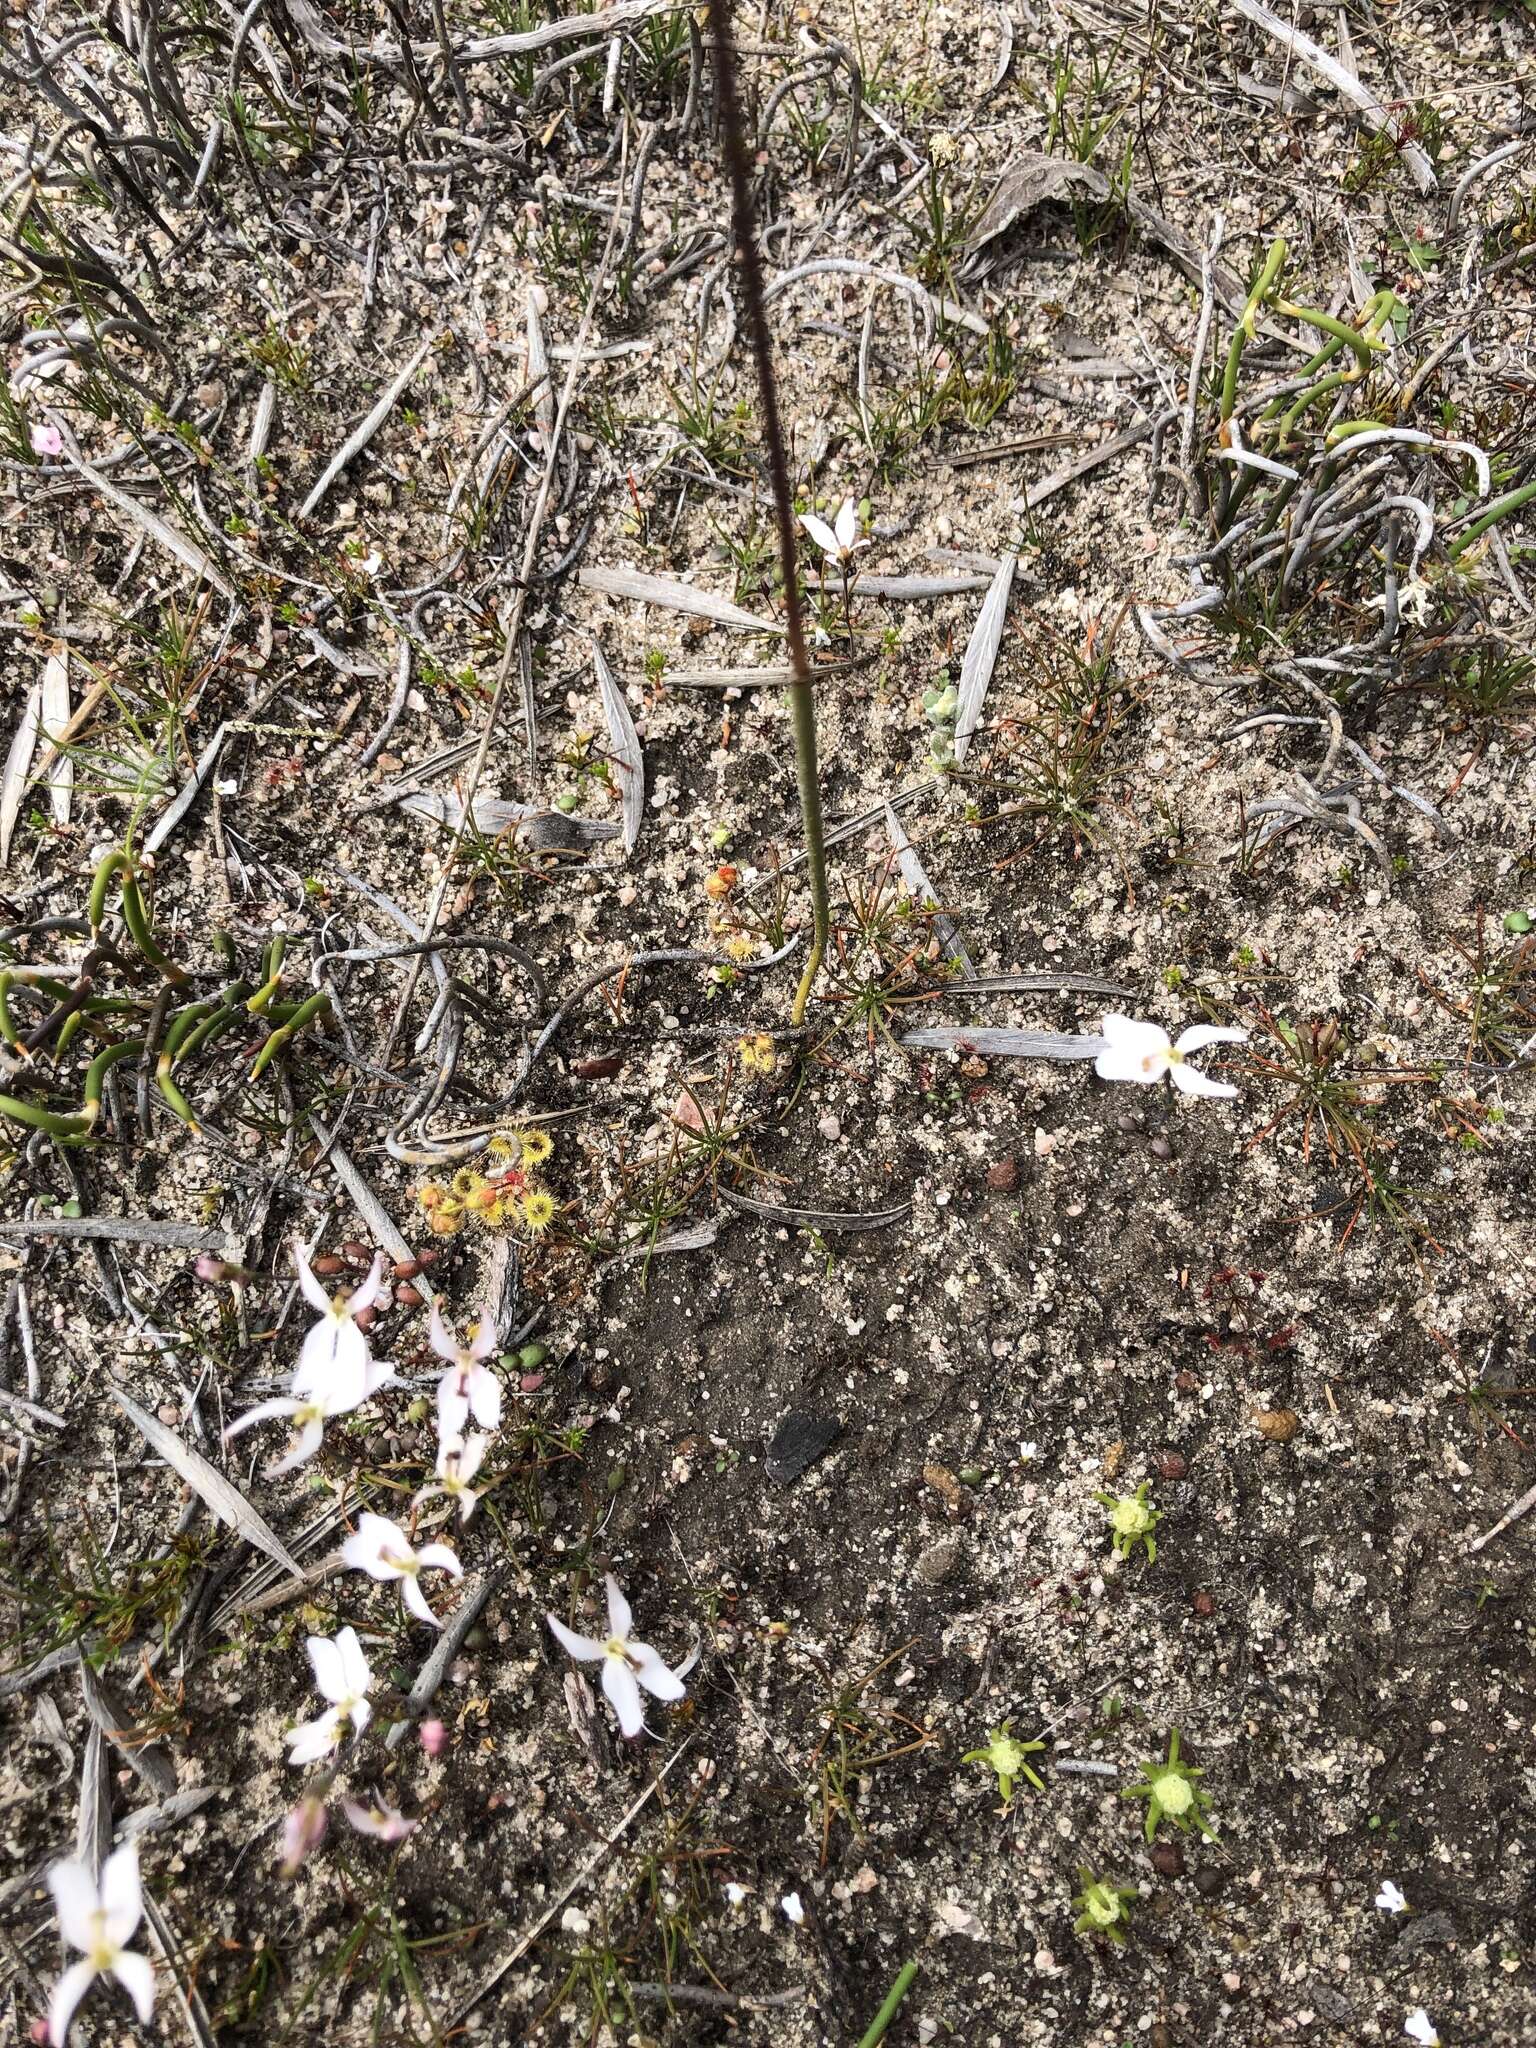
x=802, y=697
x=525, y=1942
x=514, y=629
x=1522, y=1506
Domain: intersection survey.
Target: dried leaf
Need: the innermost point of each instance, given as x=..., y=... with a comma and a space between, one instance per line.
x=544, y=831
x=151, y=1760
x=627, y=757
x=55, y=721
x=674, y=596
x=171, y=538
x=817, y=1219
x=93, y=1826
x=538, y=373
x=18, y=764
x=225, y=1501
x=915, y=875
x=168, y=1813
x=997, y=1043
x=1031, y=180
x=981, y=655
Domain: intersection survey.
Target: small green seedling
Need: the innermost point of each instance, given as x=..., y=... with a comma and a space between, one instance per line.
x=1008, y=1757
x=1132, y=1520
x=1102, y=1908
x=1171, y=1793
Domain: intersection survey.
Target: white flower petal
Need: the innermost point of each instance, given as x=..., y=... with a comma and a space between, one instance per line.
x=373, y=1290
x=65, y=1996
x=485, y=1397
x=819, y=532
x=360, y=1716
x=364, y=1548
x=354, y=1663
x=485, y=1336
x=623, y=1695
x=137, y=1977
x=416, y=1600
x=317, y=1357
x=1133, y=1035
x=312, y=1740
x=76, y=1901
x=1190, y=1081
x=1117, y=1065
x=329, y=1666
x=309, y=1286
x=304, y=1447
x=1199, y=1036
x=452, y=1403
x=654, y=1673
x=264, y=1411
x=583, y=1648
x=439, y=1336
x=847, y=527
x=620, y=1620
x=121, y=1896
x=438, y=1557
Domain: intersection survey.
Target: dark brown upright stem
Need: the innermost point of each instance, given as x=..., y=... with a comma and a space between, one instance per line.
x=802, y=697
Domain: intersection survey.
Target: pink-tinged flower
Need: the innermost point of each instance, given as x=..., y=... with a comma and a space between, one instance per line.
x=335, y=1360
x=626, y=1665
x=307, y=1416
x=1144, y=1053
x=469, y=1387
x=385, y=1823
x=220, y=1272
x=342, y=1677
x=46, y=440
x=457, y=1464
x=383, y=1550
x=303, y=1832
x=841, y=541
x=100, y=1923
x=433, y=1737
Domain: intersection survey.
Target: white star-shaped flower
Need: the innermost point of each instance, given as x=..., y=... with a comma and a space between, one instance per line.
x=627, y=1665
x=840, y=542
x=1144, y=1053
x=99, y=1921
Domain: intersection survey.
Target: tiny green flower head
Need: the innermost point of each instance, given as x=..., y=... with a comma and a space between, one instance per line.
x=1008, y=1758
x=1171, y=1793
x=1131, y=1520
x=1102, y=1908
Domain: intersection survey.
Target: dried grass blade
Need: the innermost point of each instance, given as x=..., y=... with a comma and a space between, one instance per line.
x=55, y=722
x=18, y=765
x=538, y=373
x=995, y=1042
x=915, y=875
x=356, y=442
x=171, y=538
x=817, y=1219
x=627, y=757
x=223, y=1500
x=673, y=596
x=981, y=655
x=93, y=1824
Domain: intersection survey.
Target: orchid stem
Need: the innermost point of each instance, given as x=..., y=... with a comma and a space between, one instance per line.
x=801, y=692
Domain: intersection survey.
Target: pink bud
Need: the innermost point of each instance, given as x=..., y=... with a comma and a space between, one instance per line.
x=219, y=1272
x=303, y=1830
x=38, y=2031
x=47, y=441
x=434, y=1737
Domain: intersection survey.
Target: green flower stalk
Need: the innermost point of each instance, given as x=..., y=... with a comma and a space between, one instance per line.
x=1171, y=1793
x=1132, y=1520
x=1008, y=1758
x=1102, y=1908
